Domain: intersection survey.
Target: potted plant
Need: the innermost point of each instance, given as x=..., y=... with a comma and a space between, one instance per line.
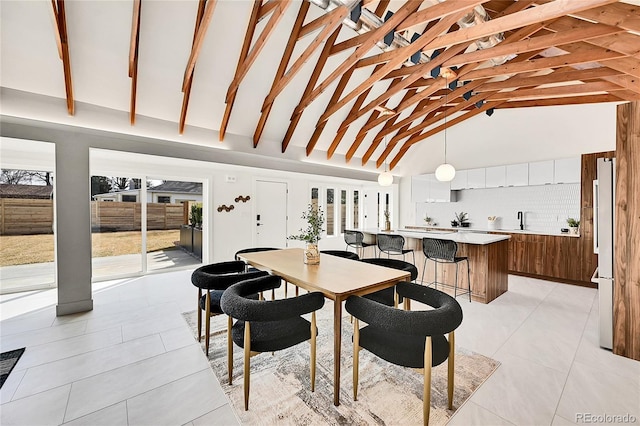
x=387, y=221
x=462, y=219
x=573, y=225
x=311, y=235
x=428, y=220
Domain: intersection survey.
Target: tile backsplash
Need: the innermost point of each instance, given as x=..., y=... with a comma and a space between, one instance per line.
x=546, y=207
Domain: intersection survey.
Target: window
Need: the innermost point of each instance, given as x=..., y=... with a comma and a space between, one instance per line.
x=331, y=229
x=164, y=199
x=129, y=198
x=314, y=198
x=343, y=211
x=356, y=209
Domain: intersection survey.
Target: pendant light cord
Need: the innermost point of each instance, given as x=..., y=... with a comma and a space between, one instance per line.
x=446, y=99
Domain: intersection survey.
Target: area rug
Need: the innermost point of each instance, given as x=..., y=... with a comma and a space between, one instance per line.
x=280, y=389
x=8, y=360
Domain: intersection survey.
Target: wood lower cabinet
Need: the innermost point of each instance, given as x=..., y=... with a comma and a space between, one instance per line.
x=548, y=257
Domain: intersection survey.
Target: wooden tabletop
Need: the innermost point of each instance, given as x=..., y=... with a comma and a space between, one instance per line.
x=335, y=276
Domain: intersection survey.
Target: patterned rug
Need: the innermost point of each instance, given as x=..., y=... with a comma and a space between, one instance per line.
x=8, y=360
x=387, y=394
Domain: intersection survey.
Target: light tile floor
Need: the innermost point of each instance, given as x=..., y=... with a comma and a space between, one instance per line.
x=132, y=360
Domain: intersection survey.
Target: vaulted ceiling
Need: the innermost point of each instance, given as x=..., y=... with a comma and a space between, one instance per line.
x=361, y=82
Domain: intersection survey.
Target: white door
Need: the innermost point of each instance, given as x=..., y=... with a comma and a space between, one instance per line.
x=371, y=209
x=271, y=214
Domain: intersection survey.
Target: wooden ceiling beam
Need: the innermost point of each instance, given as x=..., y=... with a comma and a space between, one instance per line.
x=336, y=16
x=545, y=12
x=544, y=63
x=284, y=62
x=436, y=11
x=251, y=57
x=622, y=15
x=535, y=43
x=246, y=45
x=626, y=81
x=453, y=122
x=552, y=78
x=187, y=90
x=315, y=75
x=575, y=100
x=266, y=9
x=197, y=44
x=374, y=36
x=56, y=32
x=401, y=56
x=557, y=91
x=418, y=71
x=336, y=95
x=320, y=22
x=356, y=105
x=133, y=58
x=61, y=28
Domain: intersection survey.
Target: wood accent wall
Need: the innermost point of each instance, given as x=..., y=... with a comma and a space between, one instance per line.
x=589, y=260
x=626, y=293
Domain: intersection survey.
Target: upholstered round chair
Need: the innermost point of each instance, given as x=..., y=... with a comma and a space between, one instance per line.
x=342, y=253
x=414, y=339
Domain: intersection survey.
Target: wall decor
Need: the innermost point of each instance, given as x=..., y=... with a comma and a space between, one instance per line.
x=225, y=208
x=243, y=199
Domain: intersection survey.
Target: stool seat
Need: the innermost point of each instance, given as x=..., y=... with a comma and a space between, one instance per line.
x=444, y=251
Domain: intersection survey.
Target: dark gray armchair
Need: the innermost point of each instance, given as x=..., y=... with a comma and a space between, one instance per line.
x=413, y=339
x=268, y=326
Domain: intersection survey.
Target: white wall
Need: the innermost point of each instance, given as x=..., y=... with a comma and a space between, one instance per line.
x=546, y=207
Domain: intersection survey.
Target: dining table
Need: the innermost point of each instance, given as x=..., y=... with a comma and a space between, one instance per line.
x=335, y=277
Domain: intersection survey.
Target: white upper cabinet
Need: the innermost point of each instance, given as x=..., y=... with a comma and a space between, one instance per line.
x=476, y=178
x=541, y=172
x=567, y=170
x=427, y=189
x=518, y=174
x=459, y=181
x=496, y=177
x=419, y=189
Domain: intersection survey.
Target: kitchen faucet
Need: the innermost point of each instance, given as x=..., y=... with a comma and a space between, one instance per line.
x=521, y=217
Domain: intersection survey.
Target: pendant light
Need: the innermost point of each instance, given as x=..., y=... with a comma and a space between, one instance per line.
x=445, y=171
x=385, y=178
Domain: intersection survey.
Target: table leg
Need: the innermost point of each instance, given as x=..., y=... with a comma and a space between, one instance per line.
x=337, y=341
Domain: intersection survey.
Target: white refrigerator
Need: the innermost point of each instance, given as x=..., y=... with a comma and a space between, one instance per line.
x=604, y=236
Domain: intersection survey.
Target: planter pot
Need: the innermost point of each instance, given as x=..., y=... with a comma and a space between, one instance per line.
x=573, y=230
x=465, y=224
x=311, y=254
x=387, y=225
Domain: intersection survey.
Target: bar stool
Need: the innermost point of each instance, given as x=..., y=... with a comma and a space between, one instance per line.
x=444, y=251
x=355, y=239
x=393, y=245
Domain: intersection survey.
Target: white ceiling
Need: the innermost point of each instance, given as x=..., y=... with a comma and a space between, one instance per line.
x=99, y=33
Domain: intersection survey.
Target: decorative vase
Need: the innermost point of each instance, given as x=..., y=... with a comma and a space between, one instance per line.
x=311, y=254
x=387, y=225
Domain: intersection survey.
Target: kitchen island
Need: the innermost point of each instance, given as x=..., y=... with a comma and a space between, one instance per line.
x=487, y=253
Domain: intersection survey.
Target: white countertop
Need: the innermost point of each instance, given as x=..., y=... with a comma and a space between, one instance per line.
x=459, y=237
x=506, y=231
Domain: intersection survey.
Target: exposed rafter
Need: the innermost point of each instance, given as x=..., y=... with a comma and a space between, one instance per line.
x=133, y=58
x=248, y=57
x=63, y=50
x=187, y=89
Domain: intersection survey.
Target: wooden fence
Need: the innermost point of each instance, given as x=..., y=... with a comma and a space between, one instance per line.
x=29, y=216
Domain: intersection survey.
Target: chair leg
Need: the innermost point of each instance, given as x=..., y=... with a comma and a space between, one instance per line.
x=285, y=289
x=413, y=253
x=435, y=274
x=426, y=399
x=297, y=291
x=450, y=368
x=247, y=365
x=199, y=316
x=469, y=278
x=455, y=284
x=314, y=333
x=207, y=327
x=424, y=270
x=230, y=349
x=356, y=353
x=273, y=294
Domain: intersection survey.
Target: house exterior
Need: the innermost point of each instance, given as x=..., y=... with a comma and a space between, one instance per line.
x=37, y=192
x=168, y=192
